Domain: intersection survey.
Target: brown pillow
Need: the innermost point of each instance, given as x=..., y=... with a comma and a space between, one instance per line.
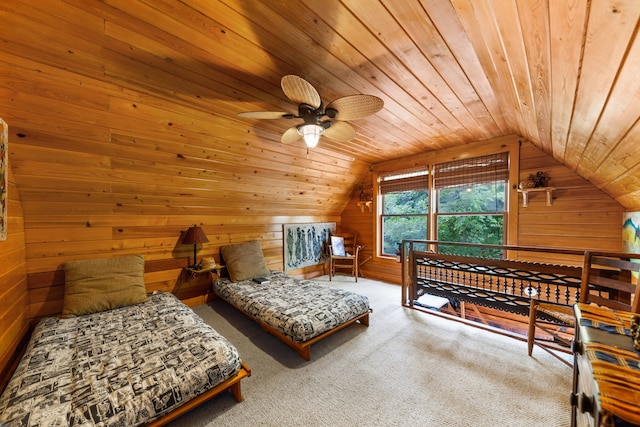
x=244, y=261
x=94, y=285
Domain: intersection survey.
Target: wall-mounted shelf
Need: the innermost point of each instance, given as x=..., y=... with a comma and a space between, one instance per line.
x=193, y=272
x=525, y=194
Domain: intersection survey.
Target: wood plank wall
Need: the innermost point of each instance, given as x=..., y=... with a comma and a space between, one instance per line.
x=581, y=217
x=164, y=261
x=363, y=222
x=119, y=144
x=106, y=171
x=14, y=297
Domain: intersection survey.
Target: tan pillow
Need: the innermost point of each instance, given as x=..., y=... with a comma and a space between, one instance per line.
x=94, y=285
x=244, y=261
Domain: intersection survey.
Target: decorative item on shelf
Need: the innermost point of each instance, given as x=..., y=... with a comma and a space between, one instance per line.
x=207, y=266
x=536, y=183
x=195, y=236
x=366, y=197
x=526, y=184
x=399, y=252
x=540, y=179
x=208, y=263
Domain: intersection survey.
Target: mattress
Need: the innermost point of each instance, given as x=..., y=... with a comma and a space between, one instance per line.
x=122, y=367
x=300, y=309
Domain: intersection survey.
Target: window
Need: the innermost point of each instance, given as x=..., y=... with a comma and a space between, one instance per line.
x=471, y=195
x=462, y=201
x=405, y=207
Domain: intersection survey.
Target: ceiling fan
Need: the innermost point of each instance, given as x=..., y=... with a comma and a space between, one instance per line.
x=318, y=120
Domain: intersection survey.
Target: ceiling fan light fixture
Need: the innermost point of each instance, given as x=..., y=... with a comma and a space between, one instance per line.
x=312, y=111
x=311, y=134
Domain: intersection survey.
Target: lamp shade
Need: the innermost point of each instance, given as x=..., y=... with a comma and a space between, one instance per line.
x=195, y=235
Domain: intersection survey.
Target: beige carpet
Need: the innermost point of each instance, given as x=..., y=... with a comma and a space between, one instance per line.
x=407, y=368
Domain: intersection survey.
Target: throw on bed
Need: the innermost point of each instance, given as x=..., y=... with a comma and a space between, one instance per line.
x=300, y=309
x=121, y=367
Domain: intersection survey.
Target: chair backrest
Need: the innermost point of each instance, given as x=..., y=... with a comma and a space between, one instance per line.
x=611, y=280
x=350, y=241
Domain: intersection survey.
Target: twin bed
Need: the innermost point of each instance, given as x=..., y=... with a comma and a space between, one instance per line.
x=298, y=312
x=127, y=366
x=117, y=356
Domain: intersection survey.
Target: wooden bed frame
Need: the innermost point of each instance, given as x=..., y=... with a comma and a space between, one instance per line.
x=302, y=348
x=232, y=384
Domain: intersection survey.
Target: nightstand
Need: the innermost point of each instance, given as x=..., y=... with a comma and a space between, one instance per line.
x=196, y=284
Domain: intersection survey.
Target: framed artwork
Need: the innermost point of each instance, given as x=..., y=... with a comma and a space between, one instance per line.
x=4, y=183
x=337, y=246
x=631, y=234
x=307, y=244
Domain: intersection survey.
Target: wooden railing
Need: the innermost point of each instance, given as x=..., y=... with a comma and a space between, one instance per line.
x=507, y=285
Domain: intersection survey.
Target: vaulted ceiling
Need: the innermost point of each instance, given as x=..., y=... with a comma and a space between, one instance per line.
x=561, y=74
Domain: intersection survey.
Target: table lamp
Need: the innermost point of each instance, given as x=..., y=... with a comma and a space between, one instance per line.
x=195, y=235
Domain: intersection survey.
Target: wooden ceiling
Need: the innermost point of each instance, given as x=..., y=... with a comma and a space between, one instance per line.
x=561, y=74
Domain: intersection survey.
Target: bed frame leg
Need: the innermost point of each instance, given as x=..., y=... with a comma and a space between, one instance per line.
x=305, y=352
x=365, y=320
x=236, y=391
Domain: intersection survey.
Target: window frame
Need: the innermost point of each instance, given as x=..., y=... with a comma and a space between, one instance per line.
x=413, y=179
x=509, y=144
x=477, y=173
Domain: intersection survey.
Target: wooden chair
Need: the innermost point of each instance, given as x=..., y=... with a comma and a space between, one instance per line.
x=608, y=280
x=611, y=280
x=344, y=253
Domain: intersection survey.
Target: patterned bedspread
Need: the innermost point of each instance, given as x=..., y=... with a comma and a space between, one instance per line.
x=121, y=367
x=300, y=309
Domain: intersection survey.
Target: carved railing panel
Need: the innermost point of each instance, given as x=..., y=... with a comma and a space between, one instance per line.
x=503, y=284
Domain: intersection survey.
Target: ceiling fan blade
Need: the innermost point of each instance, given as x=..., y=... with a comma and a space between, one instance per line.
x=300, y=91
x=291, y=135
x=355, y=107
x=340, y=132
x=263, y=115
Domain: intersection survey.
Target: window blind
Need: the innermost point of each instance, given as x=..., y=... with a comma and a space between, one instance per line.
x=405, y=180
x=474, y=171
